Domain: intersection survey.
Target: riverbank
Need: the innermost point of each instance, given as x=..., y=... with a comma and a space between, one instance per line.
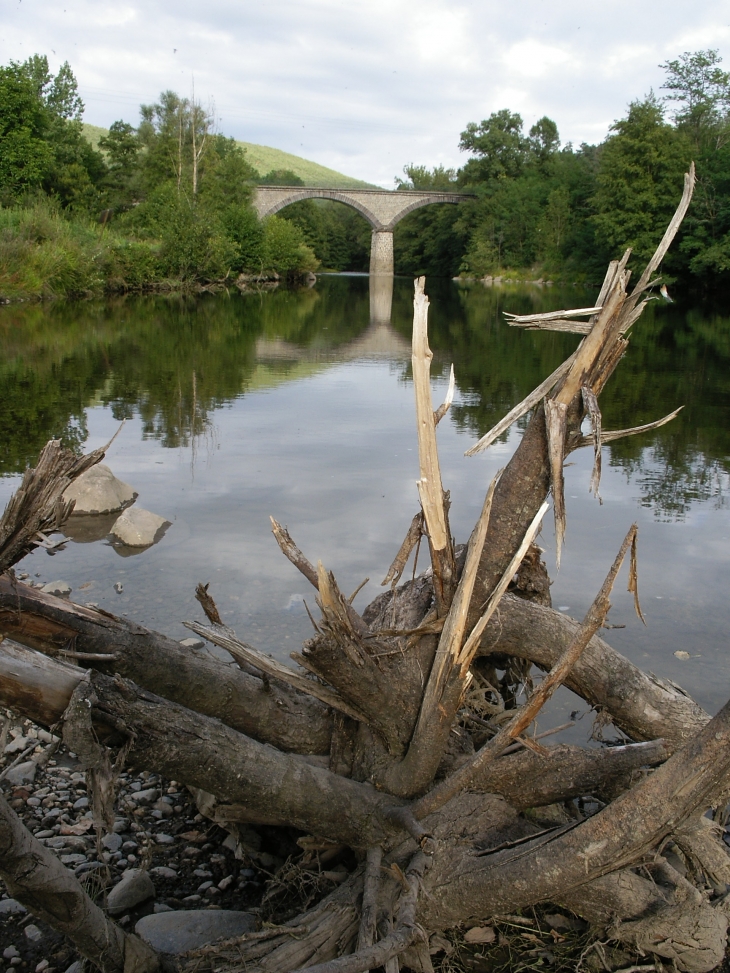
x=48, y=253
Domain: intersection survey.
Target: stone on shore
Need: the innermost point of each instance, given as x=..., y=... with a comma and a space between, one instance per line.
x=135, y=887
x=183, y=930
x=98, y=491
x=139, y=528
x=22, y=774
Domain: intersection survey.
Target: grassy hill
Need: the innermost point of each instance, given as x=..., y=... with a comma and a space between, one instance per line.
x=263, y=158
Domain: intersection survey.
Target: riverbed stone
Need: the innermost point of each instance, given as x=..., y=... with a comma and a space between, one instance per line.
x=22, y=774
x=135, y=887
x=98, y=491
x=183, y=930
x=11, y=907
x=139, y=528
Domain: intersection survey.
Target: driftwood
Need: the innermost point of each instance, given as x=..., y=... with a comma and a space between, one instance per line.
x=390, y=737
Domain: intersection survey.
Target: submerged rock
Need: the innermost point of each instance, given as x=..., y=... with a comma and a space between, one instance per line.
x=61, y=589
x=139, y=528
x=181, y=931
x=98, y=491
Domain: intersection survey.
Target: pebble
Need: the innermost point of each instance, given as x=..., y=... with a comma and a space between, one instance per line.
x=11, y=907
x=33, y=933
x=10, y=952
x=81, y=804
x=112, y=842
x=164, y=839
x=72, y=859
x=162, y=871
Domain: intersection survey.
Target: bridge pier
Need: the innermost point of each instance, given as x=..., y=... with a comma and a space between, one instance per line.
x=381, y=253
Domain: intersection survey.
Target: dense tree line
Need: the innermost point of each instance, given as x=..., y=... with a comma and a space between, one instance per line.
x=542, y=208
x=177, y=194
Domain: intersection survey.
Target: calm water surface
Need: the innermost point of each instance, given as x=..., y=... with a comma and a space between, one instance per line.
x=300, y=405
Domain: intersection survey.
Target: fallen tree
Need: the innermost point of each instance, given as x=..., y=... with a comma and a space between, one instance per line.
x=391, y=736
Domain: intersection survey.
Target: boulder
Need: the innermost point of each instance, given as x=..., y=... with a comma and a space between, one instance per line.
x=183, y=930
x=135, y=887
x=139, y=528
x=98, y=491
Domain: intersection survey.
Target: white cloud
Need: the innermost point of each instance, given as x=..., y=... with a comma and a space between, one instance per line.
x=367, y=87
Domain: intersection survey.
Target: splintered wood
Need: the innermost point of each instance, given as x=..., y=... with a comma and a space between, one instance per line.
x=430, y=488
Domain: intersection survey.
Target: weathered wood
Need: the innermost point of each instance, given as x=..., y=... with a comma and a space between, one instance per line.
x=288, y=719
x=37, y=507
x=642, y=705
x=275, y=787
x=463, y=778
x=35, y=877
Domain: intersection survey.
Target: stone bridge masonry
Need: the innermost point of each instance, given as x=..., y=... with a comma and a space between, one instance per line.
x=381, y=208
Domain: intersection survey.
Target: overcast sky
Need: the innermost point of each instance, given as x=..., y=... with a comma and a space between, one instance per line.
x=367, y=86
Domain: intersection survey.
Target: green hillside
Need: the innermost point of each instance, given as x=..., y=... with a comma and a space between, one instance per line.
x=263, y=158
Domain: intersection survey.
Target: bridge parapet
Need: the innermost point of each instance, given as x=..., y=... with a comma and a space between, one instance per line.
x=382, y=208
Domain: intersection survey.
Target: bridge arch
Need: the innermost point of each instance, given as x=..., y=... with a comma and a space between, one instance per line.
x=383, y=209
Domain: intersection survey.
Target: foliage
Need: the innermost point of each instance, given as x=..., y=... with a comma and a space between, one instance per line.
x=640, y=179
x=173, y=197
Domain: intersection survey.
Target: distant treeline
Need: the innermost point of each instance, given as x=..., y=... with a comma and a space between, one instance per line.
x=561, y=211
x=168, y=203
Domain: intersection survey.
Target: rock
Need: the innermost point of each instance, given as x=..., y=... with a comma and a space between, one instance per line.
x=193, y=643
x=98, y=491
x=162, y=871
x=61, y=589
x=18, y=744
x=135, y=887
x=164, y=839
x=112, y=842
x=73, y=859
x=76, y=967
x=139, y=528
x=146, y=796
x=33, y=933
x=22, y=774
x=11, y=907
x=81, y=804
x=10, y=952
x=178, y=932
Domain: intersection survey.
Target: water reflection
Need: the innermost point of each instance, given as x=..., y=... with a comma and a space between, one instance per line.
x=175, y=362
x=299, y=404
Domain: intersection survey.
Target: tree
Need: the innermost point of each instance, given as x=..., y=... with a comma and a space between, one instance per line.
x=25, y=154
x=544, y=138
x=702, y=90
x=499, y=145
x=640, y=169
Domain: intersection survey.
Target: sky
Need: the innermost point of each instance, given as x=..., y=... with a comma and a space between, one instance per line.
x=367, y=87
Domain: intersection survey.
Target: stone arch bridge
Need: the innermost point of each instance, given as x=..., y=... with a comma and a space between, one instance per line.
x=380, y=207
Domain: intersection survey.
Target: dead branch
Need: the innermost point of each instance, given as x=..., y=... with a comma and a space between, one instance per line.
x=281, y=716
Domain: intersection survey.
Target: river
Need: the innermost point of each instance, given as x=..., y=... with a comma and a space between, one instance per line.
x=299, y=404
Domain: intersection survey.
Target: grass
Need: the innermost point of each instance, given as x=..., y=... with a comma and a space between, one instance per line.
x=264, y=158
